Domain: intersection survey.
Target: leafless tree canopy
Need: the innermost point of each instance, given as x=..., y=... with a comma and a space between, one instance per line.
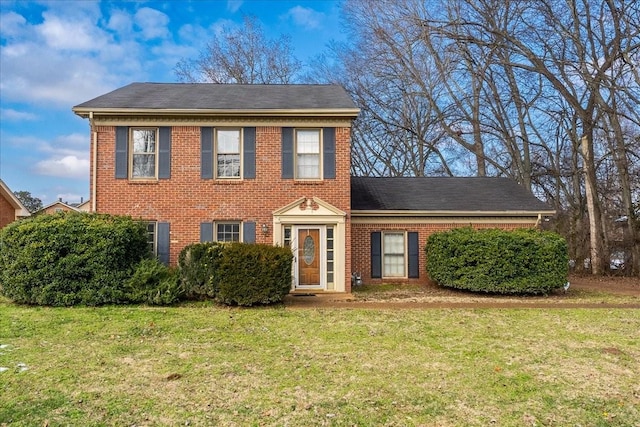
x=546, y=92
x=242, y=55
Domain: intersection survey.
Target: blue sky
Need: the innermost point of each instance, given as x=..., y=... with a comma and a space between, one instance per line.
x=57, y=54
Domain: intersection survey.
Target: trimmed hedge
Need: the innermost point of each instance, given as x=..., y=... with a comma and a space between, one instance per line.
x=522, y=261
x=252, y=274
x=70, y=258
x=198, y=265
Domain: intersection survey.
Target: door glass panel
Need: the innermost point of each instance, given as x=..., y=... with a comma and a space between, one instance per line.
x=309, y=250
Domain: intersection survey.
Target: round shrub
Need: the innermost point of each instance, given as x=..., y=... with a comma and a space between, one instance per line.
x=252, y=274
x=524, y=261
x=198, y=265
x=70, y=258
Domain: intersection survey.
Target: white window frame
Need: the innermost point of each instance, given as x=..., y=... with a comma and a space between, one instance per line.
x=296, y=155
x=152, y=236
x=222, y=223
x=133, y=153
x=216, y=153
x=385, y=273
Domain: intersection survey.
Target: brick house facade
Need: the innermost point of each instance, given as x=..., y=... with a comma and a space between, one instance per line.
x=264, y=164
x=271, y=164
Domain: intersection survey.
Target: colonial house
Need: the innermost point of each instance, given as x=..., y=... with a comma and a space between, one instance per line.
x=11, y=208
x=271, y=164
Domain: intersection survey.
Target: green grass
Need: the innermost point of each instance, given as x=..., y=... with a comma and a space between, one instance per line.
x=205, y=365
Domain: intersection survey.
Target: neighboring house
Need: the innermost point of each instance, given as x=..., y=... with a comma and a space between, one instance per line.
x=11, y=208
x=392, y=218
x=57, y=207
x=83, y=206
x=271, y=164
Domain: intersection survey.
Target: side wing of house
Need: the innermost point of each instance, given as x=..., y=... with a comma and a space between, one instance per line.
x=11, y=208
x=392, y=219
x=264, y=164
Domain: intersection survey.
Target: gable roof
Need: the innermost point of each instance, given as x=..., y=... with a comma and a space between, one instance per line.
x=433, y=195
x=61, y=204
x=212, y=98
x=21, y=211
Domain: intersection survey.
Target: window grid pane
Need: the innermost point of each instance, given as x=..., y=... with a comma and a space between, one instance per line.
x=228, y=153
x=143, y=153
x=330, y=254
x=308, y=153
x=228, y=232
x=394, y=256
x=151, y=237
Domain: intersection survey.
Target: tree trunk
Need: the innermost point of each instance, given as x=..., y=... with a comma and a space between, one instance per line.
x=596, y=234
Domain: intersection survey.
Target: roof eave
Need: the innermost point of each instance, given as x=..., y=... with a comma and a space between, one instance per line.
x=457, y=213
x=85, y=112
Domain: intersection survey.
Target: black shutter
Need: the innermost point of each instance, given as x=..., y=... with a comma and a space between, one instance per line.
x=163, y=242
x=206, y=153
x=376, y=255
x=206, y=232
x=122, y=152
x=249, y=232
x=249, y=148
x=164, y=153
x=287, y=153
x=329, y=151
x=414, y=255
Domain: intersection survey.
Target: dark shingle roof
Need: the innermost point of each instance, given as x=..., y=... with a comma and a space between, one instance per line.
x=210, y=96
x=442, y=194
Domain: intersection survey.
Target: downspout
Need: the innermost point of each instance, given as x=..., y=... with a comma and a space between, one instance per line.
x=94, y=161
x=538, y=221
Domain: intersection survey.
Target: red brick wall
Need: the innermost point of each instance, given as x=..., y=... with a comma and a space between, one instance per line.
x=361, y=243
x=7, y=212
x=186, y=200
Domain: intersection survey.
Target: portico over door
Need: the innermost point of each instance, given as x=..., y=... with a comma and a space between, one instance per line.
x=315, y=232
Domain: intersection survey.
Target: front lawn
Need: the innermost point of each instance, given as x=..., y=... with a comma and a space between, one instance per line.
x=199, y=364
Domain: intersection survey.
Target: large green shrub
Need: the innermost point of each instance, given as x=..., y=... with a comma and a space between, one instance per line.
x=70, y=258
x=198, y=265
x=509, y=262
x=252, y=274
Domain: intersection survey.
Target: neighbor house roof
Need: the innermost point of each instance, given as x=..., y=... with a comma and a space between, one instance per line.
x=445, y=196
x=5, y=192
x=211, y=98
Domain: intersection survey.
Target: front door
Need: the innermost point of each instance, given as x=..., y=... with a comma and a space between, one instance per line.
x=309, y=257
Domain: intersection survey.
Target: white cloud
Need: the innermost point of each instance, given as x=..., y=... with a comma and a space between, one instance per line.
x=152, y=23
x=305, y=17
x=234, y=5
x=65, y=167
x=15, y=115
x=121, y=22
x=78, y=34
x=12, y=24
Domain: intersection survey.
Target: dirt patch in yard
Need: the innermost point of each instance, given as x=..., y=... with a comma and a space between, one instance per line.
x=584, y=292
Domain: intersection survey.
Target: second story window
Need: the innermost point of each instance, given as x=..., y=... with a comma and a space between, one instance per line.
x=143, y=152
x=307, y=154
x=227, y=153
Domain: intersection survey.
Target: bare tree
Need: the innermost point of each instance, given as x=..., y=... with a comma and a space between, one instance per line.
x=243, y=55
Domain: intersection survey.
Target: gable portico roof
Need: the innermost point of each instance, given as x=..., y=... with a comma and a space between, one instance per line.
x=222, y=99
x=447, y=196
